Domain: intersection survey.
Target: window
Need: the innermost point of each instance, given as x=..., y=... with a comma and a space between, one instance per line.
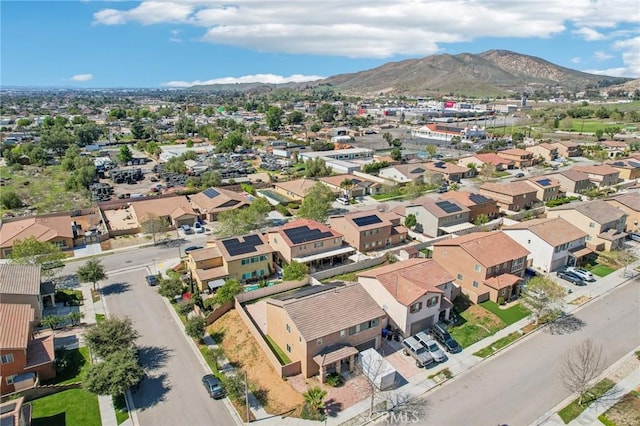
x=460, y=276
x=335, y=241
x=10, y=379
x=288, y=328
x=245, y=261
x=319, y=342
x=592, y=225
x=475, y=284
x=415, y=307
x=362, y=327
x=343, y=333
x=300, y=339
x=275, y=240
x=7, y=358
x=432, y=301
x=478, y=268
x=288, y=348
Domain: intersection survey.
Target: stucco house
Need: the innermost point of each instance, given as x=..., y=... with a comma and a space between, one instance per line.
x=57, y=230
x=294, y=189
x=476, y=203
x=22, y=284
x=547, y=188
x=176, y=211
x=520, y=157
x=358, y=186
x=572, y=181
x=450, y=171
x=404, y=173
x=543, y=151
x=369, y=230
x=479, y=160
x=511, y=196
x=601, y=175
x=436, y=217
x=629, y=203
x=212, y=201
x=567, y=148
x=629, y=168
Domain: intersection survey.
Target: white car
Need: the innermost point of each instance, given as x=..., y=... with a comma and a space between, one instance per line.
x=582, y=273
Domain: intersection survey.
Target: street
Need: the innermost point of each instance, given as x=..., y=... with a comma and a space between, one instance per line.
x=519, y=385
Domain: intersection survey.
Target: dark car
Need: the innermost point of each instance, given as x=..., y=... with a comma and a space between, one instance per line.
x=440, y=333
x=192, y=248
x=571, y=277
x=519, y=175
x=152, y=280
x=213, y=386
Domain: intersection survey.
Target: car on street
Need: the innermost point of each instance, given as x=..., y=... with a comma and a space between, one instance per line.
x=582, y=273
x=192, y=248
x=412, y=347
x=440, y=334
x=571, y=277
x=431, y=346
x=635, y=236
x=519, y=175
x=213, y=386
x=152, y=280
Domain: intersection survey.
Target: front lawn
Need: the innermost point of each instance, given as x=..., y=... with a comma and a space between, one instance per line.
x=79, y=362
x=601, y=270
x=510, y=315
x=476, y=324
x=573, y=410
x=70, y=407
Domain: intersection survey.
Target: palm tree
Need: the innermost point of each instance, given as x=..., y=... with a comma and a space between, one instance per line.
x=314, y=397
x=346, y=184
x=92, y=272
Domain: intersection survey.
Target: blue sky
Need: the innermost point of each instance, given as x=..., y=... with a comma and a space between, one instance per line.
x=185, y=42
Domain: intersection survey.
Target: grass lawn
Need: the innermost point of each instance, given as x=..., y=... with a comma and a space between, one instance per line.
x=498, y=344
x=120, y=406
x=573, y=410
x=79, y=362
x=591, y=125
x=477, y=323
x=70, y=407
x=282, y=357
x=510, y=315
x=601, y=270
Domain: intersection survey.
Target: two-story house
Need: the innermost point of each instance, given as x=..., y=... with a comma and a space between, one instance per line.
x=629, y=168
x=553, y=243
x=57, y=230
x=415, y=294
x=370, y=229
x=24, y=360
x=325, y=327
x=543, y=151
x=601, y=175
x=547, y=188
x=212, y=201
x=476, y=203
x=246, y=258
x=603, y=223
x=615, y=148
x=511, y=196
x=572, y=181
x=630, y=204
x=487, y=265
x=22, y=284
x=520, y=157
x=309, y=242
x=568, y=149
x=436, y=217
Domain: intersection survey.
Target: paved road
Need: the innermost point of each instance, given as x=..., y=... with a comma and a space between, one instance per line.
x=172, y=393
x=522, y=383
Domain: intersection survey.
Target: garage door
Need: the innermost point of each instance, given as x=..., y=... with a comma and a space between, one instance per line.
x=366, y=345
x=421, y=324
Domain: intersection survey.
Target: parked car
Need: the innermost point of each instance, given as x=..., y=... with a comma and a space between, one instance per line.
x=412, y=347
x=443, y=189
x=187, y=229
x=343, y=201
x=440, y=333
x=198, y=228
x=152, y=280
x=582, y=273
x=571, y=277
x=192, y=248
x=519, y=175
x=431, y=345
x=213, y=386
x=635, y=236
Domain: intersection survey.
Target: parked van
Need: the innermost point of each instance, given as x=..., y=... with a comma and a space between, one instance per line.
x=343, y=201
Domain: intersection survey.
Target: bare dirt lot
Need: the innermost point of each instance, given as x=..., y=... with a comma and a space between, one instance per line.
x=243, y=352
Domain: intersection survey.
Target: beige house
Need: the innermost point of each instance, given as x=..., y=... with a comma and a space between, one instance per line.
x=601, y=175
x=436, y=217
x=487, y=265
x=294, y=189
x=603, y=223
x=21, y=284
x=247, y=258
x=567, y=149
x=53, y=229
x=615, y=148
x=210, y=202
x=544, y=151
x=358, y=187
x=479, y=160
x=572, y=181
x=370, y=229
x=325, y=327
x=629, y=203
x=629, y=168
x=547, y=188
x=476, y=203
x=520, y=157
x=512, y=196
x=450, y=171
x=176, y=211
x=415, y=293
x=404, y=173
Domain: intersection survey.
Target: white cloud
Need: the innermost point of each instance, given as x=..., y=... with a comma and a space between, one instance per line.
x=174, y=36
x=630, y=49
x=576, y=60
x=613, y=72
x=589, y=34
x=82, y=77
x=255, y=78
x=601, y=55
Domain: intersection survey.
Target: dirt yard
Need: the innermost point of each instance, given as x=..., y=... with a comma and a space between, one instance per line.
x=352, y=391
x=626, y=412
x=243, y=352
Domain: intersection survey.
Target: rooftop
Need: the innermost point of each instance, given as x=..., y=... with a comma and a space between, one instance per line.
x=630, y=199
x=243, y=246
x=42, y=228
x=19, y=279
x=598, y=169
x=508, y=188
x=298, y=187
x=598, y=210
x=301, y=231
x=488, y=248
x=16, y=320
x=215, y=199
x=555, y=231
x=467, y=199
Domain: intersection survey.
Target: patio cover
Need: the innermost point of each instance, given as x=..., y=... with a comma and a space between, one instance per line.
x=580, y=252
x=457, y=228
x=215, y=284
x=324, y=254
x=334, y=353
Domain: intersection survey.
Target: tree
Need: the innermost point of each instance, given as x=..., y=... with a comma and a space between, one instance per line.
x=171, y=287
x=124, y=155
x=410, y=221
x=315, y=205
x=543, y=297
x=52, y=321
x=316, y=167
x=599, y=133
x=326, y=112
x=30, y=251
x=388, y=137
x=228, y=291
x=137, y=129
x=273, y=118
x=23, y=122
x=488, y=171
x=110, y=336
x=481, y=219
x=314, y=398
x=57, y=139
x=87, y=133
x=431, y=150
x=580, y=367
x=294, y=271
x=153, y=225
x=611, y=131
x=92, y=272
x=242, y=221
x=114, y=375
x=396, y=154
x=347, y=184
x=195, y=327
x=413, y=190
x=230, y=142
x=295, y=117
x=10, y=200
x=186, y=125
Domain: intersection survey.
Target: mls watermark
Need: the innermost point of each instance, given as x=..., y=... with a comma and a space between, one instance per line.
x=403, y=417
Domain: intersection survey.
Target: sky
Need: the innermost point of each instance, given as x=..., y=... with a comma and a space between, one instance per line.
x=156, y=44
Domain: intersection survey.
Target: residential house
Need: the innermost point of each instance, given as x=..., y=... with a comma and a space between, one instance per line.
x=309, y=242
x=21, y=284
x=487, y=265
x=547, y=188
x=511, y=196
x=14, y=412
x=615, y=148
x=629, y=203
x=543, y=151
x=629, y=168
x=195, y=167
x=57, y=230
x=476, y=203
x=415, y=294
x=553, y=243
x=436, y=217
x=603, y=223
x=479, y=160
x=450, y=171
x=294, y=189
x=520, y=157
x=572, y=181
x=212, y=201
x=247, y=258
x=325, y=327
x=370, y=229
x=24, y=359
x=601, y=175
x=404, y=173
x=176, y=211
x=356, y=187
x=568, y=149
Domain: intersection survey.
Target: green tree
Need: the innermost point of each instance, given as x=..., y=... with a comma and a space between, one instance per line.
x=611, y=131
x=295, y=117
x=243, y=221
x=74, y=317
x=228, y=291
x=186, y=125
x=315, y=127
x=488, y=171
x=88, y=133
x=195, y=327
x=410, y=221
x=117, y=114
x=314, y=398
x=57, y=139
x=294, y=271
x=431, y=150
x=599, y=133
x=326, y=112
x=137, y=129
x=231, y=142
x=10, y=200
x=171, y=287
x=92, y=272
x=124, y=155
x=30, y=251
x=273, y=118
x=316, y=167
x=543, y=297
x=52, y=321
x=154, y=224
x=315, y=205
x=110, y=336
x=175, y=165
x=23, y=122
x=481, y=219
x=114, y=375
x=413, y=190
x=396, y=154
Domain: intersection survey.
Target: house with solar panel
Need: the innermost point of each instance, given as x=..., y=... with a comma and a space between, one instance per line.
x=547, y=188
x=572, y=181
x=247, y=258
x=437, y=217
x=309, y=242
x=476, y=203
x=511, y=196
x=629, y=168
x=358, y=187
x=370, y=229
x=450, y=171
x=601, y=175
x=210, y=202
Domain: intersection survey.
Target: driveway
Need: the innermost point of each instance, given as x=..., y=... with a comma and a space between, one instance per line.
x=171, y=394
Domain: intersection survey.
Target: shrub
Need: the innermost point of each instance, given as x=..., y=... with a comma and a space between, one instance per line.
x=63, y=359
x=185, y=307
x=195, y=327
x=209, y=303
x=334, y=380
x=283, y=210
x=447, y=373
x=500, y=300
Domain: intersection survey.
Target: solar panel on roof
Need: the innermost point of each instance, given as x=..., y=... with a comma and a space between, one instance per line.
x=418, y=170
x=634, y=164
x=235, y=247
x=211, y=193
x=367, y=220
x=448, y=206
x=544, y=182
x=478, y=199
x=440, y=165
x=303, y=234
